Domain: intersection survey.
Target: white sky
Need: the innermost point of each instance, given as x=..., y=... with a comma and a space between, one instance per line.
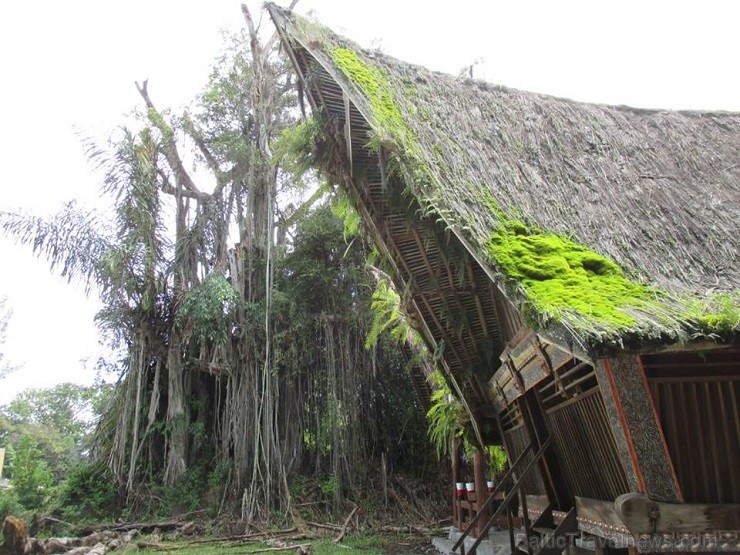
x=72, y=64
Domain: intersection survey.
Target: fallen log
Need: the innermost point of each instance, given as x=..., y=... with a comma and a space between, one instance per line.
x=143, y=527
x=302, y=548
x=227, y=541
x=332, y=527
x=407, y=529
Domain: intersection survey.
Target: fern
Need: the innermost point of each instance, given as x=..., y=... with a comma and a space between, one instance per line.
x=447, y=420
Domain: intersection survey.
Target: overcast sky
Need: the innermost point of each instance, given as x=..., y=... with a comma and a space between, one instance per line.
x=68, y=68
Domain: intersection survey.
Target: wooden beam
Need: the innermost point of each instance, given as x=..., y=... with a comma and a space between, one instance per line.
x=443, y=298
x=551, y=471
x=600, y=518
x=642, y=515
x=476, y=296
x=481, y=493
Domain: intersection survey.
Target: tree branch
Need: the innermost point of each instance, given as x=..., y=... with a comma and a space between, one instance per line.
x=169, y=189
x=182, y=178
x=253, y=42
x=340, y=537
x=201, y=144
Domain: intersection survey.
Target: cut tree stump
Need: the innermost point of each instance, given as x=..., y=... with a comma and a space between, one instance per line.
x=15, y=537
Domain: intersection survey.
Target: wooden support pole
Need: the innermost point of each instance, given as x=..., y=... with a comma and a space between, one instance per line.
x=481, y=493
x=455, y=454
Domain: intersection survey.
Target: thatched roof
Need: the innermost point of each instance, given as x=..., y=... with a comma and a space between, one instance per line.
x=603, y=225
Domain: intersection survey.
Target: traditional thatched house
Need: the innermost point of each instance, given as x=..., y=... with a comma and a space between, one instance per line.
x=576, y=266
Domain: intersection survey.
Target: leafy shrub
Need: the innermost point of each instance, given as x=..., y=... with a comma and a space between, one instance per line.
x=187, y=494
x=31, y=474
x=9, y=504
x=89, y=492
x=208, y=309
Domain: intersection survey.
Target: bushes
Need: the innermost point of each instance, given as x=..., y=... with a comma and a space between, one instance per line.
x=9, y=504
x=88, y=493
x=31, y=477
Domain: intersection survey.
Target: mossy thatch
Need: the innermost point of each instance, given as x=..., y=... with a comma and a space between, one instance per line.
x=611, y=221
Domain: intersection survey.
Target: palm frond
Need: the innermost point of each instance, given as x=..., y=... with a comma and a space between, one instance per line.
x=73, y=241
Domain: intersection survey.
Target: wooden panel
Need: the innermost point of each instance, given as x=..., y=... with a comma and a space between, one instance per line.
x=598, y=512
x=517, y=440
x=557, y=355
x=586, y=447
x=503, y=388
x=526, y=364
x=696, y=399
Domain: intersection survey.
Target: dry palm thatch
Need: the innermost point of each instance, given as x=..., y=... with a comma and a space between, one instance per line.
x=601, y=226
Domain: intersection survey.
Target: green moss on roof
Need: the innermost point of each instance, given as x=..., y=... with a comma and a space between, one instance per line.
x=718, y=314
x=561, y=276
x=568, y=282
x=374, y=83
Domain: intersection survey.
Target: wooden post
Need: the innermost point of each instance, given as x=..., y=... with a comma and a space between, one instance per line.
x=525, y=518
x=637, y=431
x=481, y=493
x=455, y=454
x=384, y=468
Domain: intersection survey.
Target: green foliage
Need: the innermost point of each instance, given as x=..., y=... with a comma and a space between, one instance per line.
x=9, y=504
x=496, y=458
x=228, y=120
x=60, y=419
x=31, y=477
x=320, y=273
x=187, y=494
x=87, y=493
x=343, y=209
x=720, y=313
x=209, y=309
x=446, y=417
x=387, y=314
x=73, y=240
x=296, y=147
x=46, y=433
x=329, y=486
